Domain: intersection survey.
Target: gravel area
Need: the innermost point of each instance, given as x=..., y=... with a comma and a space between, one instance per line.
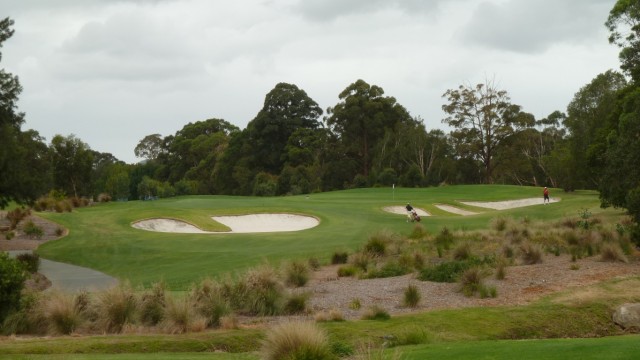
x=521, y=285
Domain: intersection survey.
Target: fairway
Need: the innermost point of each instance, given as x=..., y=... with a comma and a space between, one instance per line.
x=101, y=236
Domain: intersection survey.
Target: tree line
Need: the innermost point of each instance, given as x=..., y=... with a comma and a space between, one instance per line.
x=367, y=139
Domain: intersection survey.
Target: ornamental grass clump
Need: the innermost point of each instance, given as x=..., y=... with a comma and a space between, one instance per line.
x=152, y=304
x=612, y=252
x=377, y=243
x=296, y=341
x=412, y=296
x=262, y=292
x=209, y=300
x=116, y=307
x=530, y=253
x=61, y=314
x=296, y=274
x=471, y=281
x=181, y=316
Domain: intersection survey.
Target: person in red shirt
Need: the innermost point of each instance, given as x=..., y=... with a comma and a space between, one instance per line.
x=546, y=195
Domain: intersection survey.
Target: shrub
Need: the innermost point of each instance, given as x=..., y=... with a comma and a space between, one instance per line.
x=229, y=322
x=377, y=243
x=471, y=281
x=181, y=317
x=296, y=303
x=449, y=271
x=361, y=260
x=16, y=215
x=30, y=261
x=33, y=230
x=104, y=197
x=152, y=304
x=501, y=270
x=59, y=231
x=411, y=296
x=296, y=341
x=612, y=253
x=462, y=252
x=116, y=307
x=263, y=292
x=331, y=315
x=314, y=263
x=10, y=235
x=347, y=271
x=488, y=291
x=376, y=313
x=444, y=239
x=339, y=258
x=27, y=318
x=389, y=269
x=211, y=302
x=414, y=336
x=11, y=284
x=418, y=232
x=499, y=223
x=297, y=274
x=355, y=304
x=61, y=313
x=530, y=253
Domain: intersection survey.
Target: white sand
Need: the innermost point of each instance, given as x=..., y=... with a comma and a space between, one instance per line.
x=255, y=223
x=454, y=210
x=511, y=204
x=403, y=211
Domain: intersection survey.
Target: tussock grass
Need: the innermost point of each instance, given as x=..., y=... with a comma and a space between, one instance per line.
x=412, y=296
x=209, y=301
x=62, y=316
x=297, y=274
x=181, y=316
x=115, y=307
x=530, y=253
x=376, y=312
x=152, y=304
x=612, y=253
x=296, y=341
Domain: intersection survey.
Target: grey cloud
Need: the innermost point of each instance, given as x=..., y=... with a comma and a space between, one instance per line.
x=533, y=26
x=328, y=10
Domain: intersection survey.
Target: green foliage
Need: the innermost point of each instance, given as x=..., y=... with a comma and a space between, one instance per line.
x=450, y=271
x=377, y=243
x=412, y=296
x=347, y=271
x=30, y=261
x=339, y=258
x=376, y=313
x=152, y=304
x=296, y=303
x=32, y=230
x=390, y=268
x=297, y=274
x=11, y=284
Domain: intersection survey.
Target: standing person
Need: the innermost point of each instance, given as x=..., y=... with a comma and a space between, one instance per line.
x=545, y=192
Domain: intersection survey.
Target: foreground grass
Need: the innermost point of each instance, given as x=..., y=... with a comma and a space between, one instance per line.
x=612, y=348
x=101, y=237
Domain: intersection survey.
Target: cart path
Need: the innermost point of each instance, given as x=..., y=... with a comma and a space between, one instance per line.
x=72, y=278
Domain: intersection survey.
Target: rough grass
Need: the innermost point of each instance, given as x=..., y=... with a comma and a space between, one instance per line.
x=296, y=341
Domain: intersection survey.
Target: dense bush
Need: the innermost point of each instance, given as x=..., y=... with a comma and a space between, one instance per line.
x=339, y=257
x=11, y=283
x=451, y=270
x=30, y=261
x=32, y=230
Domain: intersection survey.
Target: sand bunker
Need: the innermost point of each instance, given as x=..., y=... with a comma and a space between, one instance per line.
x=403, y=211
x=454, y=210
x=255, y=223
x=511, y=204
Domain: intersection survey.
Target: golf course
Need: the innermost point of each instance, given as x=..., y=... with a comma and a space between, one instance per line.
x=103, y=237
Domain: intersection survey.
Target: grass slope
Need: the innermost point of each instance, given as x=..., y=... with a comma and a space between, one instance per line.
x=101, y=237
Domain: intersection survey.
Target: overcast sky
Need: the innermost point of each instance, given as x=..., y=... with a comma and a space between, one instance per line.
x=112, y=72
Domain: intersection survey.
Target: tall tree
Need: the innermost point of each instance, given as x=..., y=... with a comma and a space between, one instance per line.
x=72, y=165
x=588, y=122
x=624, y=28
x=24, y=169
x=286, y=109
x=361, y=119
x=150, y=147
x=483, y=118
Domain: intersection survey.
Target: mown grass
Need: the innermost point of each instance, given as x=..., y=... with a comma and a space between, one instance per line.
x=101, y=237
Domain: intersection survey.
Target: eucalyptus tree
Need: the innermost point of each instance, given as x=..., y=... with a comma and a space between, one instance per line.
x=24, y=158
x=72, y=161
x=588, y=122
x=362, y=118
x=483, y=118
x=624, y=31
